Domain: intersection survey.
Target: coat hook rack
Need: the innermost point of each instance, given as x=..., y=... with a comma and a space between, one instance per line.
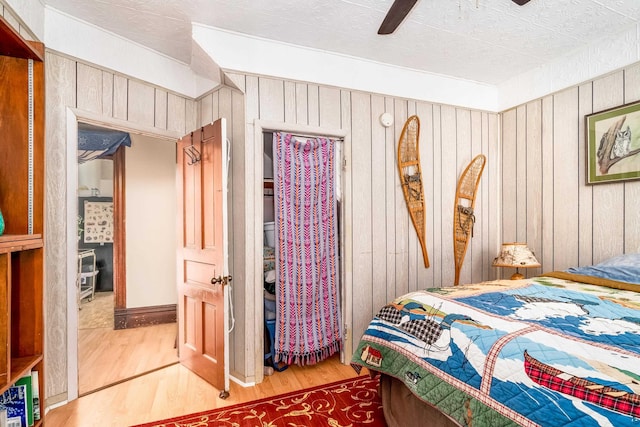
x=193, y=153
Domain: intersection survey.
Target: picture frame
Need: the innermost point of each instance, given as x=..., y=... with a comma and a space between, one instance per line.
x=613, y=144
x=98, y=222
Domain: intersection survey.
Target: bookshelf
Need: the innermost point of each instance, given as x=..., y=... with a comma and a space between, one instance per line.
x=22, y=206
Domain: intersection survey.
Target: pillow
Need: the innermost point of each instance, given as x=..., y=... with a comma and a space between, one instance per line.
x=623, y=268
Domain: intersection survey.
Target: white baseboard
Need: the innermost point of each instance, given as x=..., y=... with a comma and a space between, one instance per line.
x=242, y=383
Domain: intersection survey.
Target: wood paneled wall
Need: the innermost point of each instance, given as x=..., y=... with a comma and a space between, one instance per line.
x=536, y=175
x=545, y=199
x=387, y=259
x=101, y=93
x=533, y=188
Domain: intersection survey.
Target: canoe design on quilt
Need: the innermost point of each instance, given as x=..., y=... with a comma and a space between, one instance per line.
x=433, y=333
x=607, y=397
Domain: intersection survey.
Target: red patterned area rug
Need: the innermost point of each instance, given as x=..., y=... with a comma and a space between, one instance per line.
x=352, y=402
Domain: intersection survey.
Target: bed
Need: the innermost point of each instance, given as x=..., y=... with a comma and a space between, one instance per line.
x=562, y=349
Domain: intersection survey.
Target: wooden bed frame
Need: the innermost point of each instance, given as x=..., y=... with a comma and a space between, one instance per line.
x=403, y=409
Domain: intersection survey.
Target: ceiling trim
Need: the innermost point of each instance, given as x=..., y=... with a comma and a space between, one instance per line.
x=590, y=62
x=29, y=15
x=76, y=38
x=234, y=51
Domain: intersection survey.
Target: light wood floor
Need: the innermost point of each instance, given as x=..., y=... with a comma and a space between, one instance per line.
x=175, y=391
x=136, y=350
x=107, y=356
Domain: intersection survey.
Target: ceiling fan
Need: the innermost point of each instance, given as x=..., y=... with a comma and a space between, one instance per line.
x=401, y=8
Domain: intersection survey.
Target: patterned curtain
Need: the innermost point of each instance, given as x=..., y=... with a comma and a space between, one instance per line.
x=97, y=143
x=308, y=320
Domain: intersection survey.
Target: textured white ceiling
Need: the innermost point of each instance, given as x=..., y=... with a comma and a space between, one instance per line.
x=487, y=41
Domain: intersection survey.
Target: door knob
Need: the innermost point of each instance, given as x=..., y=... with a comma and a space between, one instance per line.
x=221, y=280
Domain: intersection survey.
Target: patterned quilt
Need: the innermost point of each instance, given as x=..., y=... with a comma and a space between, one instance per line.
x=537, y=352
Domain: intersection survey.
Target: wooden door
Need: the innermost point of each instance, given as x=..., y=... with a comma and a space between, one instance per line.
x=202, y=314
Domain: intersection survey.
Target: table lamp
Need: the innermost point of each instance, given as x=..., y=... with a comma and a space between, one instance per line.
x=516, y=255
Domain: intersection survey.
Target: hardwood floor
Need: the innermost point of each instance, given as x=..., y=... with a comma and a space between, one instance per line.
x=174, y=391
x=107, y=356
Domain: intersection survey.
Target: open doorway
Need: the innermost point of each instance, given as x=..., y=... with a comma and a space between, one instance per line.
x=95, y=244
x=126, y=266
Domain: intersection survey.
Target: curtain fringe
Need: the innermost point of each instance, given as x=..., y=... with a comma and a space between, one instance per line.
x=310, y=358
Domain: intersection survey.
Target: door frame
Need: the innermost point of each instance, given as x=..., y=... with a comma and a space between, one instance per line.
x=346, y=242
x=74, y=116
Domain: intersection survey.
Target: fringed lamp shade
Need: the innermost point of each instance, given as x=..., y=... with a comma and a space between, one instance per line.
x=516, y=255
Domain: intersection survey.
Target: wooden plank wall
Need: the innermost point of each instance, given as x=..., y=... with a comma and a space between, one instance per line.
x=73, y=84
x=545, y=199
x=387, y=259
x=536, y=174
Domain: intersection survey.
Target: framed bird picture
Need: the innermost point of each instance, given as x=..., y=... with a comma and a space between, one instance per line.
x=613, y=144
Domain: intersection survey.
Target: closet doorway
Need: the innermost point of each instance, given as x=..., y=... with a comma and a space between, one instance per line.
x=265, y=212
x=126, y=238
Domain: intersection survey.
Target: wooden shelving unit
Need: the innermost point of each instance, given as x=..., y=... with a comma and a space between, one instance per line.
x=22, y=206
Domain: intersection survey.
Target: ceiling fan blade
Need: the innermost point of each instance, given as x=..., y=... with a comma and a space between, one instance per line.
x=520, y=2
x=398, y=11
